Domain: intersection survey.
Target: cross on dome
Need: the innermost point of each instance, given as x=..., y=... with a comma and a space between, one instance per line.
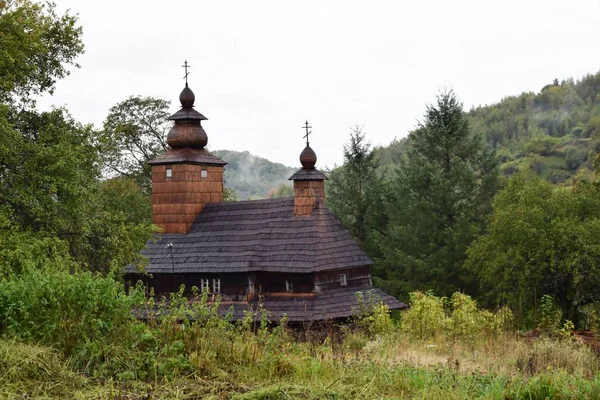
x=186, y=66
x=307, y=132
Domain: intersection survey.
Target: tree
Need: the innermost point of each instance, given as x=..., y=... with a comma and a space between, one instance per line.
x=281, y=192
x=55, y=212
x=440, y=198
x=353, y=188
x=135, y=132
x=541, y=240
x=36, y=47
x=52, y=198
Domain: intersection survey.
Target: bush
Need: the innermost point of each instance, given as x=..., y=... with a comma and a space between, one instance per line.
x=434, y=317
x=425, y=319
x=63, y=310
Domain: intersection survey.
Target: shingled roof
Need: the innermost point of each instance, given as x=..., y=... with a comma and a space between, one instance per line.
x=258, y=235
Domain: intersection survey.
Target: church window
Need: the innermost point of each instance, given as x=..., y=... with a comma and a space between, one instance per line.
x=217, y=285
x=343, y=280
x=169, y=172
x=204, y=173
x=289, y=286
x=205, y=283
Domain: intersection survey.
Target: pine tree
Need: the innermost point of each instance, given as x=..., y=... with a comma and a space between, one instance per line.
x=352, y=188
x=441, y=195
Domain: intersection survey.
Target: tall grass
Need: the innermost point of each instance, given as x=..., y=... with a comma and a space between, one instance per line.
x=442, y=349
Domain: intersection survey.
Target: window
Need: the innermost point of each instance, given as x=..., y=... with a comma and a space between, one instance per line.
x=205, y=283
x=217, y=285
x=204, y=173
x=343, y=281
x=169, y=172
x=289, y=286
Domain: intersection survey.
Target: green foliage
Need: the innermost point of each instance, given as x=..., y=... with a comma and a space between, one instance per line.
x=230, y=195
x=538, y=125
x=438, y=203
x=372, y=317
x=540, y=240
x=134, y=133
x=534, y=126
x=426, y=317
x=354, y=191
x=550, y=315
x=53, y=209
x=281, y=192
x=36, y=46
x=63, y=310
x=431, y=317
x=194, y=349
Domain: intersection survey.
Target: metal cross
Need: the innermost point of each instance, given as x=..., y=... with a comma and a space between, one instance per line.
x=186, y=66
x=307, y=132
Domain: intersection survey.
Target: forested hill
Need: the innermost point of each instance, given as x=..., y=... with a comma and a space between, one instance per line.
x=555, y=132
x=250, y=176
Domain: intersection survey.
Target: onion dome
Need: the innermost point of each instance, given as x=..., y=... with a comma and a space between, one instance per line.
x=308, y=158
x=187, y=97
x=187, y=131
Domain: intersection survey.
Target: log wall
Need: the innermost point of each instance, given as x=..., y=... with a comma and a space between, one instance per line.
x=177, y=201
x=331, y=280
x=234, y=287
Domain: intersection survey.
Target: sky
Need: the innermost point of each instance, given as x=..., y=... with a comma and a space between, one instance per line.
x=260, y=69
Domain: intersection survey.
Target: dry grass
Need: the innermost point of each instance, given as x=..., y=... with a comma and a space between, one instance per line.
x=506, y=354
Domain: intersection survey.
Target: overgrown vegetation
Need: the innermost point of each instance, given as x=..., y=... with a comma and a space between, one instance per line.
x=440, y=348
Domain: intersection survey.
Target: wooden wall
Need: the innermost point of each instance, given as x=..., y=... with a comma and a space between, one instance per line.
x=274, y=282
x=306, y=194
x=331, y=280
x=177, y=201
x=234, y=287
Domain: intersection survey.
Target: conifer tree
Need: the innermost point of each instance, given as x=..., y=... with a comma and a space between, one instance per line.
x=441, y=196
x=353, y=187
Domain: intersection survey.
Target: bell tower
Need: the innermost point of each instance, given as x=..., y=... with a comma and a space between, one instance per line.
x=309, y=182
x=186, y=176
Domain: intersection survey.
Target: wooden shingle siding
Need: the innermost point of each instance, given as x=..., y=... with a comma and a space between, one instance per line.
x=306, y=196
x=177, y=201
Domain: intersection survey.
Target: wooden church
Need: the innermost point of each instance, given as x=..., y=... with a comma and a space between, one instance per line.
x=291, y=254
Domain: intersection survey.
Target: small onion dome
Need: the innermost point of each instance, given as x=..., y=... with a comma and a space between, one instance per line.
x=308, y=158
x=187, y=97
x=187, y=131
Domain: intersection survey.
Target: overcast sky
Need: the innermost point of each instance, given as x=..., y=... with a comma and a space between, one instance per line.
x=261, y=68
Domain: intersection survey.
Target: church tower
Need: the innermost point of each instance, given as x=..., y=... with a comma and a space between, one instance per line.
x=186, y=176
x=309, y=182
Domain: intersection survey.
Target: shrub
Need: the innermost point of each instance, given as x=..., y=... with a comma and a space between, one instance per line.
x=62, y=309
x=425, y=318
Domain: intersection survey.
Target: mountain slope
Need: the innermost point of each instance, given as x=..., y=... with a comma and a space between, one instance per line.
x=555, y=132
x=251, y=176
